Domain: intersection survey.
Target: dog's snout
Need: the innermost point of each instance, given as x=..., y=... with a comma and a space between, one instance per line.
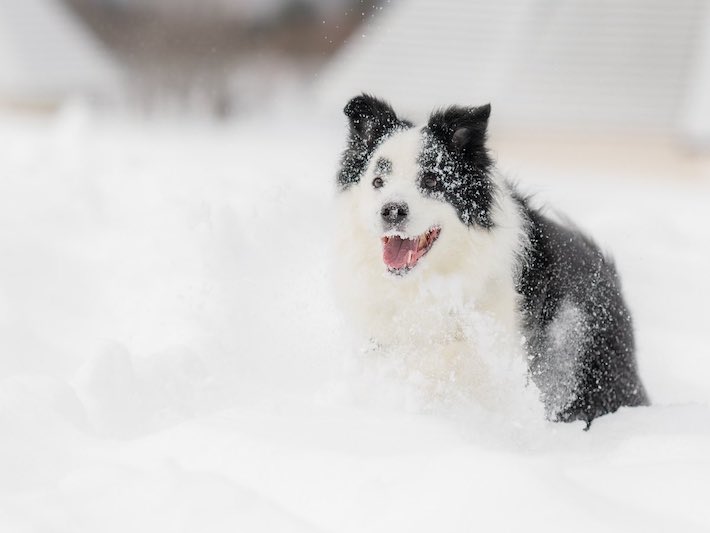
x=394, y=213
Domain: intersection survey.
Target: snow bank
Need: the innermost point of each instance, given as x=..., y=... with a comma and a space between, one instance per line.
x=171, y=358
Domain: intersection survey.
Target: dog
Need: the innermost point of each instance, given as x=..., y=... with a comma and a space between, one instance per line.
x=432, y=235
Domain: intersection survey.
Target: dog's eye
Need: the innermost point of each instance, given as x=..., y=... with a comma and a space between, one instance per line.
x=429, y=182
x=377, y=183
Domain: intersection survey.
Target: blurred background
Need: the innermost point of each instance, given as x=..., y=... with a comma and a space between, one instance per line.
x=216, y=57
x=639, y=66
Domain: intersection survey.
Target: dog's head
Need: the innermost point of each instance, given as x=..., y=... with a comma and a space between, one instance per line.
x=416, y=188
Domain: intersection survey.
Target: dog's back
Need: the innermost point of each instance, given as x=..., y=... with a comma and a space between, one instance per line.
x=578, y=330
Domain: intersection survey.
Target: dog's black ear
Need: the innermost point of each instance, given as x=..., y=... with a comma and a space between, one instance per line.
x=370, y=118
x=461, y=129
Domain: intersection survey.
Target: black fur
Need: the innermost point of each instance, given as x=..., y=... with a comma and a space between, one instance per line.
x=463, y=130
x=371, y=120
x=564, y=266
x=383, y=167
x=455, y=153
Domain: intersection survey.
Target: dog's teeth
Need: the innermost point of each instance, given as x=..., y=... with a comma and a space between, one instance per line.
x=422, y=241
x=409, y=256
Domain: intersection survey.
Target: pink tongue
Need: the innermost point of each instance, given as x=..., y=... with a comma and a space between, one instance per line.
x=396, y=251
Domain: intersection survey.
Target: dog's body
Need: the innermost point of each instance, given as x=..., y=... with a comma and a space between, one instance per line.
x=432, y=236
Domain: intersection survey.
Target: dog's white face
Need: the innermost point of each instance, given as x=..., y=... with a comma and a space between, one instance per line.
x=427, y=242
x=425, y=227
x=402, y=215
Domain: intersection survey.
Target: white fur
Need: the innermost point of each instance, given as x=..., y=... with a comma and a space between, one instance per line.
x=433, y=314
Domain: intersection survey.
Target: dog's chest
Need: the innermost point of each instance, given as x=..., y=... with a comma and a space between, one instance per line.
x=428, y=310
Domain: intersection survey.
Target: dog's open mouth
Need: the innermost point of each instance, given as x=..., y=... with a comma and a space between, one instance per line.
x=401, y=254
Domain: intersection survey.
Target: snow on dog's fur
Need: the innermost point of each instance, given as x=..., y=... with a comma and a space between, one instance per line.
x=442, y=262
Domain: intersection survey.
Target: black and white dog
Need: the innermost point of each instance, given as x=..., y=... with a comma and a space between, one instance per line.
x=431, y=235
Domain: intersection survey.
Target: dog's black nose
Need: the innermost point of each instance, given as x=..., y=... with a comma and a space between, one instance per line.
x=394, y=213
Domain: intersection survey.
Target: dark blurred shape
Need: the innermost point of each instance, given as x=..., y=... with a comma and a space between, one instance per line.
x=224, y=56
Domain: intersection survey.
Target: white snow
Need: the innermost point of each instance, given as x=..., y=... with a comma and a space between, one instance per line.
x=171, y=358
